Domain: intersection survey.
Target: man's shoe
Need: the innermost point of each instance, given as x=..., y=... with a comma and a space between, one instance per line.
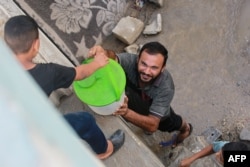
x=117, y=139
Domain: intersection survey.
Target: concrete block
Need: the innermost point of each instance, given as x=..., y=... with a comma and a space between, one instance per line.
x=211, y=134
x=155, y=26
x=133, y=49
x=128, y=29
x=245, y=134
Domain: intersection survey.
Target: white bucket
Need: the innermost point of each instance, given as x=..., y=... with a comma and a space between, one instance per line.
x=108, y=109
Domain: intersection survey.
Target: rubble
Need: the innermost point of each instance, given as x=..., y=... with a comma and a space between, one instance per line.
x=133, y=49
x=155, y=26
x=128, y=29
x=245, y=134
x=211, y=134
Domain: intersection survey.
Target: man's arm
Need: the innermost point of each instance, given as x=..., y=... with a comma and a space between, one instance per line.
x=85, y=70
x=149, y=123
x=204, y=152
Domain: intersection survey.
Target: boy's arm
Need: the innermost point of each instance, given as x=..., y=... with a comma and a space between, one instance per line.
x=85, y=70
x=204, y=152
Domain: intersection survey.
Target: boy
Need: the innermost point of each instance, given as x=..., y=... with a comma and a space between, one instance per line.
x=22, y=36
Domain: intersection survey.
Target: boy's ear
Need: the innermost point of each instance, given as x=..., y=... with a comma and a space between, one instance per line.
x=36, y=44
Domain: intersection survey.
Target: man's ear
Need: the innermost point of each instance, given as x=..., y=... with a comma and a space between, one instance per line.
x=163, y=68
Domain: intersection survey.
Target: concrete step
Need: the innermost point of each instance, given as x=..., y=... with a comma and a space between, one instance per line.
x=133, y=153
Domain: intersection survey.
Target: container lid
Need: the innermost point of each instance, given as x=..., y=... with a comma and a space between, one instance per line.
x=103, y=87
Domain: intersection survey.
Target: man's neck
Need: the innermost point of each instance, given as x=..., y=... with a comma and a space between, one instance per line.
x=144, y=84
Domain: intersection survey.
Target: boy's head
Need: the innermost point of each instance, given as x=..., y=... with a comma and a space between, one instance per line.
x=20, y=32
x=231, y=146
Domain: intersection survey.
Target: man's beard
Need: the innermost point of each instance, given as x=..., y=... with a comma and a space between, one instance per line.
x=147, y=77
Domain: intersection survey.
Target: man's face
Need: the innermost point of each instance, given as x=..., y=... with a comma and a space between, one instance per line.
x=150, y=66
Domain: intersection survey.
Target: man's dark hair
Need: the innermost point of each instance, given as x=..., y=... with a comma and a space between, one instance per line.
x=234, y=146
x=20, y=32
x=155, y=48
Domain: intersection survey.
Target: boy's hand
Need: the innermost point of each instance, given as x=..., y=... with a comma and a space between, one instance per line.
x=95, y=50
x=101, y=59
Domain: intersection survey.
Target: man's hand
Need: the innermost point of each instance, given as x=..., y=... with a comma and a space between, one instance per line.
x=123, y=109
x=149, y=122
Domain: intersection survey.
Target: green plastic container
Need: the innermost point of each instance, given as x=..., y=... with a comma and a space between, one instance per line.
x=103, y=91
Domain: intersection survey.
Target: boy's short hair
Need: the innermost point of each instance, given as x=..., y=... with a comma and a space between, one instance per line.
x=20, y=32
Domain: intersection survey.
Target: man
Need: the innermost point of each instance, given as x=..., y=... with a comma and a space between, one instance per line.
x=149, y=91
x=22, y=36
x=217, y=148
